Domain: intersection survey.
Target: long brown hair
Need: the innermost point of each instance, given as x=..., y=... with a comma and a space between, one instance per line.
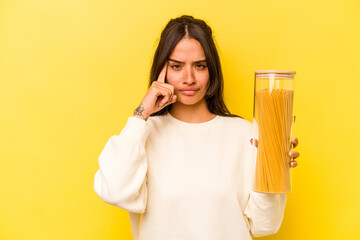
x=188, y=26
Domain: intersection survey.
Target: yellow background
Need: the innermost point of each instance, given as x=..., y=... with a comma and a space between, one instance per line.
x=72, y=72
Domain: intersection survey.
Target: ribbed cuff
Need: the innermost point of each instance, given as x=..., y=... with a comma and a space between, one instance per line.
x=136, y=129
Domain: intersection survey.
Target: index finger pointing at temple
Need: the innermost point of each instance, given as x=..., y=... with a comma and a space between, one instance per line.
x=162, y=74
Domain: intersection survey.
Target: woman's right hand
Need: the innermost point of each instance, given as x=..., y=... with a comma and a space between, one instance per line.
x=159, y=95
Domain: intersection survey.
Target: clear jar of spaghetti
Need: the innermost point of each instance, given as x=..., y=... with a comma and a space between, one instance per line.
x=274, y=94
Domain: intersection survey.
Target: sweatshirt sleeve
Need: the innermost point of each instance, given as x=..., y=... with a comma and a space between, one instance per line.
x=263, y=212
x=121, y=178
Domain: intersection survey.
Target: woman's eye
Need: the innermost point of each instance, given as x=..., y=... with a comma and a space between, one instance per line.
x=176, y=66
x=200, y=66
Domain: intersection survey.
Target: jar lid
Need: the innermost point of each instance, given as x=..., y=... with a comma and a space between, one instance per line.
x=278, y=74
x=274, y=71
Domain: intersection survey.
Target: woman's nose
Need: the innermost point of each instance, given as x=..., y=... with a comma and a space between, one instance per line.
x=188, y=76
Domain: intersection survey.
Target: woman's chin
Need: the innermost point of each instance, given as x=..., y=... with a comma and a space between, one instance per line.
x=188, y=101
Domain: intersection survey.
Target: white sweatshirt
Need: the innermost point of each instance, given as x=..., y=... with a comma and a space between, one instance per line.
x=187, y=181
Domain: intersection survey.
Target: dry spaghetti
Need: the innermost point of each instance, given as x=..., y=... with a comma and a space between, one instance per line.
x=273, y=113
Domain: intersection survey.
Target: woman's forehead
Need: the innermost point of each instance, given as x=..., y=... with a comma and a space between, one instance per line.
x=188, y=50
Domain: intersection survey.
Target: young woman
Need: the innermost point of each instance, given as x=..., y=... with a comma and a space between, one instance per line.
x=182, y=165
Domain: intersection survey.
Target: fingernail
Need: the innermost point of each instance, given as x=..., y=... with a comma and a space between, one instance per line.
x=291, y=154
x=293, y=138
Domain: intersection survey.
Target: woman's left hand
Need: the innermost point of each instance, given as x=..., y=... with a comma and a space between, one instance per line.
x=292, y=154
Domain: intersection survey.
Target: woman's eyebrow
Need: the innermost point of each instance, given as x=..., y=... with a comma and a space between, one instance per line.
x=198, y=61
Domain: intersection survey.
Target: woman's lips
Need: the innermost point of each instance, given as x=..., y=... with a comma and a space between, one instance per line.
x=188, y=92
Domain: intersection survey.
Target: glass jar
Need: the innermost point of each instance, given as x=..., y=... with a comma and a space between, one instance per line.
x=273, y=105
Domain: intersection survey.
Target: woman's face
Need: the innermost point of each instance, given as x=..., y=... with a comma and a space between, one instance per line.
x=188, y=72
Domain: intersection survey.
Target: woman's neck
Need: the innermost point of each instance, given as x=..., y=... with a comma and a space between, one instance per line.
x=196, y=113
